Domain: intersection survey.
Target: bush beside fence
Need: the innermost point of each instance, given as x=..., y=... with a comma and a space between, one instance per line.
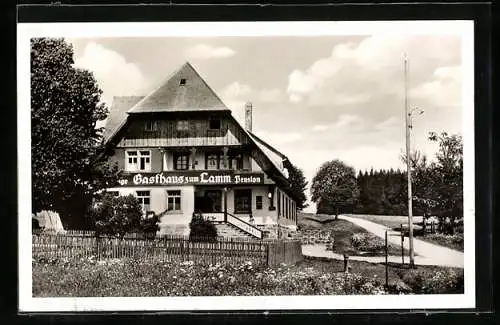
x=166, y=248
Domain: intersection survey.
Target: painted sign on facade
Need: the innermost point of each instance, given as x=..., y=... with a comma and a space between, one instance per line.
x=192, y=178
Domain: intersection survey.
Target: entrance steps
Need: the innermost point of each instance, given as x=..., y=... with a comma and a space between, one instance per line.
x=229, y=231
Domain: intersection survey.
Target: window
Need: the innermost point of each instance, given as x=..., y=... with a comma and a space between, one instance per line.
x=144, y=199
x=151, y=125
x=212, y=161
x=181, y=161
x=138, y=160
x=174, y=200
x=243, y=201
x=236, y=162
x=182, y=82
x=258, y=202
x=214, y=124
x=183, y=125
x=279, y=202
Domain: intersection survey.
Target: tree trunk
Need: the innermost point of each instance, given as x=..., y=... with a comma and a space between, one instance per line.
x=424, y=221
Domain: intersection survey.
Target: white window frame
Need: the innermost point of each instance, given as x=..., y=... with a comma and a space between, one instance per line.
x=173, y=194
x=182, y=125
x=135, y=165
x=141, y=196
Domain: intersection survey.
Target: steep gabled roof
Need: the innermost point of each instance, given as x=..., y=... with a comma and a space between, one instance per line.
x=195, y=95
x=172, y=96
x=118, y=113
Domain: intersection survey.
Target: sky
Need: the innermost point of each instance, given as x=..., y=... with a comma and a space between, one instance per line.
x=315, y=98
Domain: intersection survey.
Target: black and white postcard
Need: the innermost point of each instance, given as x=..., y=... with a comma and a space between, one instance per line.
x=246, y=166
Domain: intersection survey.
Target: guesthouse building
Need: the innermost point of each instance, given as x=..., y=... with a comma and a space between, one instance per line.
x=182, y=151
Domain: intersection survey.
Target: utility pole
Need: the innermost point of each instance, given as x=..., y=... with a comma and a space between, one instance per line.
x=408, y=164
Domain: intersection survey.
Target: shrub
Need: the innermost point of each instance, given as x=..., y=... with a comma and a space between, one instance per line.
x=424, y=281
x=149, y=226
x=201, y=229
x=116, y=216
x=367, y=242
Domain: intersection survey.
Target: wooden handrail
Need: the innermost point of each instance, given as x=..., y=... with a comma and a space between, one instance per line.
x=258, y=231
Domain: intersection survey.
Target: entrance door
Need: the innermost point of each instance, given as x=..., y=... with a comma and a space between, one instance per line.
x=213, y=200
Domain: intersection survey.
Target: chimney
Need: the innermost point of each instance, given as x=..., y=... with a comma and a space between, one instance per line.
x=248, y=116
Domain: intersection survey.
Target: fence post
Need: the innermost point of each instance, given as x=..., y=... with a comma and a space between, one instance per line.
x=386, y=263
x=346, y=263
x=268, y=250
x=402, y=245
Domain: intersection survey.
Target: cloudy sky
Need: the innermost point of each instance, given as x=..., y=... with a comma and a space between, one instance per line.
x=315, y=98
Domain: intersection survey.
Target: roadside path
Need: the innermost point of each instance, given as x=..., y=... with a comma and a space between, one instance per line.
x=428, y=254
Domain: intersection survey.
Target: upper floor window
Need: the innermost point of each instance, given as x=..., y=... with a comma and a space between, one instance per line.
x=182, y=82
x=151, y=125
x=183, y=125
x=212, y=161
x=181, y=161
x=138, y=160
x=214, y=124
x=236, y=162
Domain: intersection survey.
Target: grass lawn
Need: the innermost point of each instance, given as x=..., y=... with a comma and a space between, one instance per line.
x=342, y=232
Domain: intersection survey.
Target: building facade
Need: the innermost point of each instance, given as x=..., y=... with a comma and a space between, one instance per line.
x=182, y=151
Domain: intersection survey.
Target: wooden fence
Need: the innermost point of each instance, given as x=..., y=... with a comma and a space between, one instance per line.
x=166, y=248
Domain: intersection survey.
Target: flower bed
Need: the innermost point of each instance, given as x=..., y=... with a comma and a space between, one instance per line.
x=434, y=281
x=91, y=278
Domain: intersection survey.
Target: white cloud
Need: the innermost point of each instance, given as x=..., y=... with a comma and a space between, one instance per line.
x=236, y=95
x=236, y=89
x=358, y=73
x=115, y=76
x=204, y=51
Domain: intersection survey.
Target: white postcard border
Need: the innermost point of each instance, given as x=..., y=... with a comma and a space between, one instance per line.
x=206, y=29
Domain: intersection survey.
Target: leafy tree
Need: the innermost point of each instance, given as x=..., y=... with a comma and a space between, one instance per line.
x=448, y=175
x=438, y=185
x=298, y=183
x=65, y=106
x=334, y=187
x=117, y=215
